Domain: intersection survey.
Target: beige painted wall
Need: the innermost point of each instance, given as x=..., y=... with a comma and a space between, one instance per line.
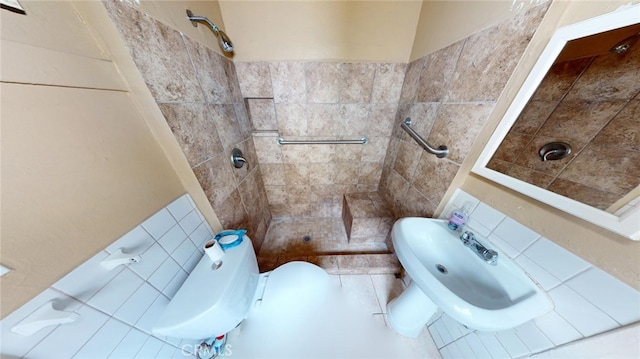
x=612, y=253
x=79, y=165
x=106, y=34
x=86, y=153
x=367, y=31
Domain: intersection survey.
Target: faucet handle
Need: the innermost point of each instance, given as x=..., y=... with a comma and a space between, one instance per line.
x=467, y=237
x=490, y=256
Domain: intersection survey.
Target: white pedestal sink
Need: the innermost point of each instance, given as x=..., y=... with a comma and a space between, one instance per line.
x=450, y=276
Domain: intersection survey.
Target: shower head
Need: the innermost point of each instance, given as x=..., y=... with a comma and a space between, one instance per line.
x=223, y=39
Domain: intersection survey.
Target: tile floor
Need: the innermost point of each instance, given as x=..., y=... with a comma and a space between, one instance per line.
x=358, y=327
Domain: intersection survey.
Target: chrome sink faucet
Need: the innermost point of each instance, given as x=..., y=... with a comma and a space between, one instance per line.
x=488, y=255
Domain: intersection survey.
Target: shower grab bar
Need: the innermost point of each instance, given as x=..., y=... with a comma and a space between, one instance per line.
x=440, y=152
x=362, y=141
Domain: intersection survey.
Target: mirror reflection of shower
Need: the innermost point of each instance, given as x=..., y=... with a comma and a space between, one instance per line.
x=223, y=39
x=589, y=98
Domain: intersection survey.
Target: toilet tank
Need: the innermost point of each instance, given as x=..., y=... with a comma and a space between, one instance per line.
x=212, y=301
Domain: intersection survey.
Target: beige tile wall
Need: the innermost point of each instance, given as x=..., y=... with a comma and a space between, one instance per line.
x=449, y=95
x=319, y=101
x=198, y=92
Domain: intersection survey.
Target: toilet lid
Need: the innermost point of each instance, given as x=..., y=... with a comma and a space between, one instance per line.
x=294, y=286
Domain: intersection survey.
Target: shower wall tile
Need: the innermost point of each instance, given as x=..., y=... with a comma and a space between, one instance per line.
x=436, y=76
x=449, y=95
x=194, y=130
x=387, y=84
x=268, y=150
x=210, y=70
x=254, y=79
x=381, y=119
x=433, y=176
x=249, y=152
x=407, y=159
x=242, y=116
x=323, y=82
x=457, y=126
x=262, y=114
x=489, y=57
x=169, y=78
x=223, y=116
x=325, y=101
x=216, y=179
x=323, y=120
x=201, y=97
x=291, y=119
x=273, y=174
x=412, y=78
x=370, y=173
x=232, y=81
x=356, y=83
x=353, y=119
x=232, y=210
x=288, y=79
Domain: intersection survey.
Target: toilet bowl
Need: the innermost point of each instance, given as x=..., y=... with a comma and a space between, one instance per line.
x=216, y=297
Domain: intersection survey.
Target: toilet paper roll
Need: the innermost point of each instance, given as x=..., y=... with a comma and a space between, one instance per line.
x=214, y=250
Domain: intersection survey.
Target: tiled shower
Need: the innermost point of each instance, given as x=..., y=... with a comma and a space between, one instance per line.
x=198, y=93
x=213, y=105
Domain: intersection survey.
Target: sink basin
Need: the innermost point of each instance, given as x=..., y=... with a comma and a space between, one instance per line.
x=481, y=296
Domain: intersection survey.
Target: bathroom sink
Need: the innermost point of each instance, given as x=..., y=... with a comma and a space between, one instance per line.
x=479, y=295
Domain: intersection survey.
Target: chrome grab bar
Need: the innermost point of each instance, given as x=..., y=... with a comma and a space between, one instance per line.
x=440, y=152
x=362, y=141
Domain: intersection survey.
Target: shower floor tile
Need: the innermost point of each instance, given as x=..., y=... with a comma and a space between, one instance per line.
x=327, y=236
x=328, y=248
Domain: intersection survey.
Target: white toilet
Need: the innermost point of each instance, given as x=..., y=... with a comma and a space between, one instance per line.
x=215, y=299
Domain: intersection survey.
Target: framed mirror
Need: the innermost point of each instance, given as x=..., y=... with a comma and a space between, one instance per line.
x=571, y=136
